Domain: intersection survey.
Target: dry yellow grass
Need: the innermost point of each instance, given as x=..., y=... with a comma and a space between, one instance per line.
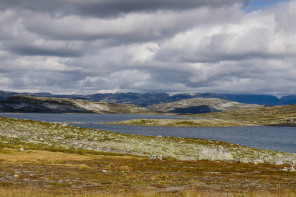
x=30, y=192
x=182, y=122
x=46, y=174
x=13, y=156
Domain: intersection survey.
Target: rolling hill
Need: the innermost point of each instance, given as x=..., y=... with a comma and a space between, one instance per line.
x=270, y=116
x=148, y=99
x=22, y=103
x=199, y=105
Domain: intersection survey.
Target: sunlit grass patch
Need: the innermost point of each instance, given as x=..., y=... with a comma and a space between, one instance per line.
x=269, y=116
x=180, y=123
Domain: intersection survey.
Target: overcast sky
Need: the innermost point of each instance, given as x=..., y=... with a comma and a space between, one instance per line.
x=90, y=46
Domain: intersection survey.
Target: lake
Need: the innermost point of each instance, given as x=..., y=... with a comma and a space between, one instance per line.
x=271, y=138
x=85, y=118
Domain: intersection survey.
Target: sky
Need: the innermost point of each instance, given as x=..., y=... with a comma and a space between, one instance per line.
x=100, y=46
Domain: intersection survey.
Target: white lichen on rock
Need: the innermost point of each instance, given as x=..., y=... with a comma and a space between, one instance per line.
x=48, y=135
x=214, y=154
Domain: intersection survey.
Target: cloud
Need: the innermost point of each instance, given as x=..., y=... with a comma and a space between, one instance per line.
x=133, y=27
x=108, y=8
x=69, y=46
x=258, y=35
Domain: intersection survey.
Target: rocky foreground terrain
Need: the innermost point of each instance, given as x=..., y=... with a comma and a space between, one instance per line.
x=49, y=136
x=50, y=159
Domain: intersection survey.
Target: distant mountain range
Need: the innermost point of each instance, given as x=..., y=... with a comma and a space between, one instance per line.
x=28, y=104
x=147, y=99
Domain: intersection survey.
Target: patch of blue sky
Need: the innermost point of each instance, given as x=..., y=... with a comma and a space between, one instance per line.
x=261, y=4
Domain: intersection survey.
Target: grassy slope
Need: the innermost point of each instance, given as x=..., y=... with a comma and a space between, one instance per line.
x=268, y=116
x=182, y=122
x=66, y=160
x=277, y=115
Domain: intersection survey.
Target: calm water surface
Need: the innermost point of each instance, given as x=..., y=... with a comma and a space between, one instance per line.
x=272, y=138
x=84, y=118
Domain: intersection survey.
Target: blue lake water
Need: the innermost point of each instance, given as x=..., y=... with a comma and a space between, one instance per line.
x=84, y=118
x=271, y=138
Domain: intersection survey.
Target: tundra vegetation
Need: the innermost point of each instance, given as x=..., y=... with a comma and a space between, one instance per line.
x=284, y=115
x=181, y=122
x=50, y=159
x=260, y=116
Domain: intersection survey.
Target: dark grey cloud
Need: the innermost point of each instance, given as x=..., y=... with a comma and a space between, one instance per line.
x=111, y=7
x=49, y=80
x=35, y=51
x=134, y=27
x=107, y=8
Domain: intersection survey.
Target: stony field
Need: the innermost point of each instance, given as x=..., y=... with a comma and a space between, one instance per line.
x=42, y=157
x=60, y=137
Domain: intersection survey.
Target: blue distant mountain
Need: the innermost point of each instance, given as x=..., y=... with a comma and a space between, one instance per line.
x=288, y=100
x=254, y=99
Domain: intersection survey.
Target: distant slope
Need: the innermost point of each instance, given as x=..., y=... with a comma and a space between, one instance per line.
x=5, y=94
x=148, y=98
x=253, y=99
x=61, y=105
x=288, y=100
x=199, y=105
x=284, y=115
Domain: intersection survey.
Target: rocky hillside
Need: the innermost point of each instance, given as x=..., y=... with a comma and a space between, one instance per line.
x=200, y=105
x=22, y=103
x=147, y=98
x=50, y=136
